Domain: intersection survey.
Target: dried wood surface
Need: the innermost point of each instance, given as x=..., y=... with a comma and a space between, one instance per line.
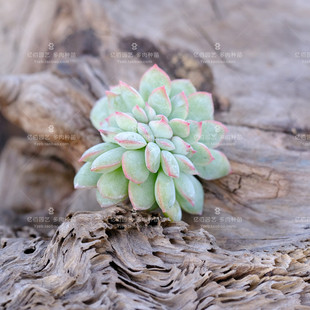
x=116, y=259
x=249, y=249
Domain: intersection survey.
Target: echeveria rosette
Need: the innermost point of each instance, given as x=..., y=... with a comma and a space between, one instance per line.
x=155, y=141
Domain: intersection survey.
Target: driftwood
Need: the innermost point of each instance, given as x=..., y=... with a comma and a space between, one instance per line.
x=117, y=259
x=249, y=249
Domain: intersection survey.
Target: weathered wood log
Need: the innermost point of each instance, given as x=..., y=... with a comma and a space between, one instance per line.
x=118, y=259
x=42, y=181
x=249, y=249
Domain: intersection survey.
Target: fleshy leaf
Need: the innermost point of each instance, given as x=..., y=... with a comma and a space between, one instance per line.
x=142, y=196
x=108, y=133
x=146, y=132
x=195, y=131
x=213, y=133
x=113, y=185
x=116, y=102
x=185, y=188
x=179, y=85
x=134, y=167
x=179, y=104
x=152, y=157
x=161, y=117
x=85, y=177
x=130, y=96
x=181, y=147
x=180, y=127
x=217, y=168
x=165, y=144
x=99, y=112
x=130, y=140
x=150, y=112
x=153, y=78
x=169, y=164
x=200, y=106
x=161, y=128
x=174, y=213
x=160, y=101
x=199, y=198
x=164, y=191
x=109, y=121
x=106, y=202
x=139, y=114
x=125, y=121
x=185, y=164
x=108, y=161
x=202, y=156
x=96, y=150
x=116, y=89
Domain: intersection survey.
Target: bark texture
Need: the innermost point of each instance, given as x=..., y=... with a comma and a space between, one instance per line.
x=249, y=249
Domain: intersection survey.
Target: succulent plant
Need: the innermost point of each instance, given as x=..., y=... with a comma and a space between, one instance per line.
x=155, y=142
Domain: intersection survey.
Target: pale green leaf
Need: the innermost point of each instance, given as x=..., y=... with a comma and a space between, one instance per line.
x=217, y=168
x=164, y=191
x=85, y=177
x=200, y=106
x=153, y=78
x=108, y=161
x=142, y=196
x=152, y=157
x=113, y=185
x=134, y=167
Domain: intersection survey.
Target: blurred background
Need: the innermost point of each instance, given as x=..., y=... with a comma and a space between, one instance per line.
x=252, y=55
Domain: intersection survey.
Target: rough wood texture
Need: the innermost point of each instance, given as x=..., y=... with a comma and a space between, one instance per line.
x=117, y=259
x=249, y=250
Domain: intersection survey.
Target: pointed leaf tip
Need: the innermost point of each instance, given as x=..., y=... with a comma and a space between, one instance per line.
x=146, y=132
x=161, y=128
x=108, y=133
x=153, y=78
x=125, y=121
x=181, y=147
x=180, y=127
x=150, y=112
x=179, y=105
x=130, y=96
x=139, y=114
x=202, y=156
x=195, y=131
x=169, y=164
x=185, y=164
x=160, y=101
